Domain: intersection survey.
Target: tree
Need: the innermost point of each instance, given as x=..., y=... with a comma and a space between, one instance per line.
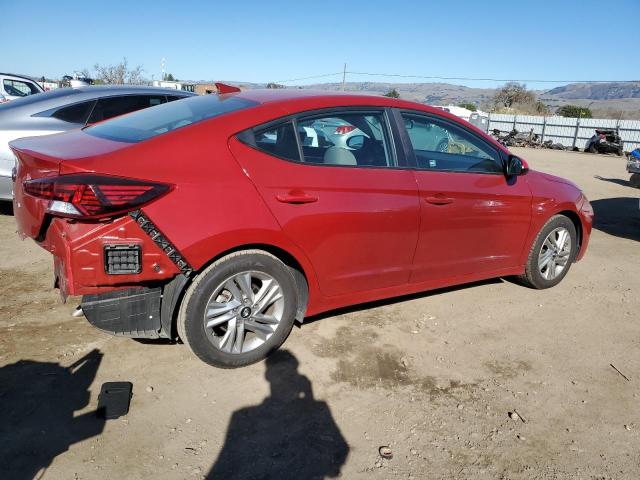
x=169, y=78
x=468, y=106
x=513, y=93
x=574, y=111
x=541, y=108
x=274, y=85
x=393, y=93
x=119, y=74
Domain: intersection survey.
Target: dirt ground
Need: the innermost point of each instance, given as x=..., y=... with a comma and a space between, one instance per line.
x=432, y=376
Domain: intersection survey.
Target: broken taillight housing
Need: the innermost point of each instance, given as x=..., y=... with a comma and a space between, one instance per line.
x=93, y=196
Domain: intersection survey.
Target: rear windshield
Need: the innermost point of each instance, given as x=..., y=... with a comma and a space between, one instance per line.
x=150, y=122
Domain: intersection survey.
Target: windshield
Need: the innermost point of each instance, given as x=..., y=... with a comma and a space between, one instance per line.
x=150, y=122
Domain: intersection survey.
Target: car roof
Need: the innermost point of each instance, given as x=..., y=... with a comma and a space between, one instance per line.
x=299, y=99
x=5, y=74
x=67, y=96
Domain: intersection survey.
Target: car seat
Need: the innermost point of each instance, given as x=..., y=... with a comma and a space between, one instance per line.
x=339, y=156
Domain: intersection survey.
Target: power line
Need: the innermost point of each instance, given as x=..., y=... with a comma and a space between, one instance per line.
x=309, y=78
x=489, y=79
x=434, y=77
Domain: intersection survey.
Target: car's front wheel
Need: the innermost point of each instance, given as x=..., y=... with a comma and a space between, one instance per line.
x=238, y=310
x=551, y=254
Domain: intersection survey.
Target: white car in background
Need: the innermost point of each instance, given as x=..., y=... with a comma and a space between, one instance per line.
x=15, y=86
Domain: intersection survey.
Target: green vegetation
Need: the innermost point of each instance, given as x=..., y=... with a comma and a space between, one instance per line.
x=468, y=106
x=574, y=111
x=393, y=93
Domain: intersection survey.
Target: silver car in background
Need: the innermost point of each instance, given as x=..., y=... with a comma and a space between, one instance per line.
x=13, y=87
x=66, y=109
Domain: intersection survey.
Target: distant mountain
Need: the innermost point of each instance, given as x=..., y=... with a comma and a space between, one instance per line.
x=431, y=93
x=606, y=100
x=596, y=91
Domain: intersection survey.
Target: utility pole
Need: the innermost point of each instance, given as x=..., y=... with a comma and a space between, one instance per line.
x=344, y=76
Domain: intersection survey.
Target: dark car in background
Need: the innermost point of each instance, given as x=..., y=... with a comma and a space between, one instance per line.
x=66, y=109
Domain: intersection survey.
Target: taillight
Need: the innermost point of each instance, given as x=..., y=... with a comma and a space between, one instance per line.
x=93, y=196
x=343, y=129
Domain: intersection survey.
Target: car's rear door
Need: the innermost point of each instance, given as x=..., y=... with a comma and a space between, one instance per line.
x=351, y=209
x=473, y=218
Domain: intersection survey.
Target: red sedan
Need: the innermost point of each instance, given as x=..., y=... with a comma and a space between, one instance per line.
x=223, y=219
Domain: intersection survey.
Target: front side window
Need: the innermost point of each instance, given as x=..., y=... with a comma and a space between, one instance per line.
x=346, y=138
x=148, y=123
x=19, y=88
x=442, y=146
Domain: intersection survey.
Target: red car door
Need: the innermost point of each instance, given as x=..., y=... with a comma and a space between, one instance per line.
x=473, y=219
x=335, y=192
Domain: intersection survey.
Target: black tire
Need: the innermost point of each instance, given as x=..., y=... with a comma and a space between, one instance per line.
x=634, y=180
x=190, y=324
x=532, y=277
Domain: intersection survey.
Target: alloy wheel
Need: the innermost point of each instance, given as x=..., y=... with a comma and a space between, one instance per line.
x=243, y=312
x=554, y=253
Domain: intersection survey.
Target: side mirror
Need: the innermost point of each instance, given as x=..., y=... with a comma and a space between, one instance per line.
x=356, y=142
x=515, y=166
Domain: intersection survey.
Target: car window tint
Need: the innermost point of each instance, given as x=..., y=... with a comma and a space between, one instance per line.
x=148, y=123
x=171, y=98
x=349, y=138
x=115, y=106
x=443, y=146
x=279, y=141
x=19, y=88
x=76, y=113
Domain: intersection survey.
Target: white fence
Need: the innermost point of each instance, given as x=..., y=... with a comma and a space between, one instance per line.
x=570, y=132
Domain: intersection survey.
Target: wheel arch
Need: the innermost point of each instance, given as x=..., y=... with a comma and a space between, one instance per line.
x=575, y=219
x=304, y=278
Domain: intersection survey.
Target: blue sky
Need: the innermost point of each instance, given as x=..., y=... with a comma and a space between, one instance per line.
x=273, y=40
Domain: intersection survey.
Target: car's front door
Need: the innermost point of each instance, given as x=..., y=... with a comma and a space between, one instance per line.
x=473, y=218
x=332, y=182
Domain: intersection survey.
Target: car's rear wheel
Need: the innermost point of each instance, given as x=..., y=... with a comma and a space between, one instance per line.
x=634, y=180
x=551, y=254
x=238, y=310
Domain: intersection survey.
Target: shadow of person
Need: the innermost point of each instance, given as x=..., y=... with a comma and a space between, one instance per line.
x=37, y=405
x=618, y=216
x=290, y=435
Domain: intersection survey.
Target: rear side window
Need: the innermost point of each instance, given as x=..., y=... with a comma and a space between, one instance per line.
x=148, y=123
x=443, y=146
x=279, y=141
x=346, y=138
x=77, y=113
x=110, y=107
x=19, y=88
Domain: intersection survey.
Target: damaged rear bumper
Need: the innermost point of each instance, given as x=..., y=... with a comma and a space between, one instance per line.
x=144, y=312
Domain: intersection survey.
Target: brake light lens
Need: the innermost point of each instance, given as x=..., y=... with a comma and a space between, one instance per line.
x=344, y=129
x=93, y=196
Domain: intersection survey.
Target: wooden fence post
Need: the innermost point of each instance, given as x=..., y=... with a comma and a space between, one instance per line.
x=544, y=127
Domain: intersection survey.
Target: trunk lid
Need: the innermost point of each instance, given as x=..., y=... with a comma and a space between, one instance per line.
x=39, y=157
